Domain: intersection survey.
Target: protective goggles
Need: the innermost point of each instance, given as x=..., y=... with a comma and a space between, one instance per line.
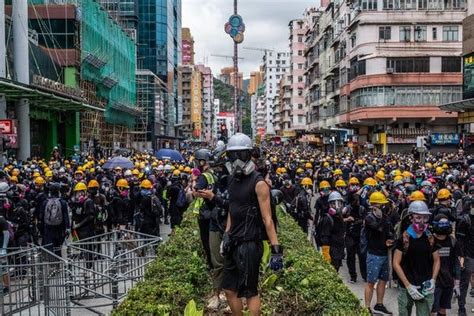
x=242, y=155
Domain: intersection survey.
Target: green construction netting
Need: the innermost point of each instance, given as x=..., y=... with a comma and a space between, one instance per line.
x=107, y=58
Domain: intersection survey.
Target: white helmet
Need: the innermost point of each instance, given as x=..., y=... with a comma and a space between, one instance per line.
x=128, y=173
x=239, y=141
x=335, y=196
x=4, y=187
x=418, y=207
x=160, y=168
x=167, y=168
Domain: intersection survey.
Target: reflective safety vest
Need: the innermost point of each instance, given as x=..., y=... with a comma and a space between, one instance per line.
x=198, y=202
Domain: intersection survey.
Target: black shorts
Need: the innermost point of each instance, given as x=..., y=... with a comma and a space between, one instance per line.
x=241, y=269
x=442, y=298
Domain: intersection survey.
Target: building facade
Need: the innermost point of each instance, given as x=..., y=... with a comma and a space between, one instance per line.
x=208, y=119
x=275, y=65
x=159, y=35
x=228, y=77
x=187, y=47
x=256, y=79
x=382, y=68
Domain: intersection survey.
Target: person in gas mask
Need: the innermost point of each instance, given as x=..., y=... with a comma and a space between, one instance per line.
x=83, y=212
x=445, y=205
x=427, y=189
x=121, y=206
x=149, y=209
x=354, y=215
x=447, y=282
x=303, y=204
x=249, y=222
x=203, y=207
x=321, y=207
x=377, y=234
x=289, y=195
x=100, y=205
x=416, y=261
x=331, y=231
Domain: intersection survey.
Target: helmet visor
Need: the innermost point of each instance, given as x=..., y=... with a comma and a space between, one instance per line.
x=243, y=155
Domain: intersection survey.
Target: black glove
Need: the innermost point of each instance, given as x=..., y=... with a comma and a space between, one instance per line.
x=225, y=245
x=276, y=260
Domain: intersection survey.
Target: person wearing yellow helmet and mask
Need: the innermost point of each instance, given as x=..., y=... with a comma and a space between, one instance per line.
x=100, y=203
x=303, y=204
x=321, y=207
x=378, y=236
x=149, y=209
x=121, y=205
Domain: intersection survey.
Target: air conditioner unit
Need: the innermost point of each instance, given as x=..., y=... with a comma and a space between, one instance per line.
x=390, y=70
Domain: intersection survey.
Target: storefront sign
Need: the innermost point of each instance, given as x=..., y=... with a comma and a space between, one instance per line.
x=400, y=140
x=56, y=86
x=468, y=75
x=444, y=139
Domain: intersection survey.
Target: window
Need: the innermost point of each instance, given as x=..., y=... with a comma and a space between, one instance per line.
x=388, y=4
x=405, y=4
x=417, y=125
x=368, y=5
x=300, y=78
x=353, y=40
x=300, y=39
x=300, y=119
x=435, y=33
x=300, y=106
x=405, y=33
x=385, y=33
x=283, y=62
x=450, y=64
x=406, y=125
x=300, y=66
x=409, y=64
x=420, y=33
x=300, y=53
x=450, y=33
x=422, y=4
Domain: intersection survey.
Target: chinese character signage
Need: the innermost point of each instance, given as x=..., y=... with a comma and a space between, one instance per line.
x=468, y=86
x=445, y=139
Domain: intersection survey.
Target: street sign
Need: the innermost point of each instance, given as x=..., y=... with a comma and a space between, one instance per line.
x=6, y=127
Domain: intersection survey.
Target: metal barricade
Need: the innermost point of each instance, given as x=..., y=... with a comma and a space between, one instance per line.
x=92, y=276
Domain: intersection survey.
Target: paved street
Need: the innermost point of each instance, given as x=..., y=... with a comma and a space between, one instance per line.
x=390, y=294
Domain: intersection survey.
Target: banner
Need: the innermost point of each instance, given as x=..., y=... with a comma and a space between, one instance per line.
x=444, y=139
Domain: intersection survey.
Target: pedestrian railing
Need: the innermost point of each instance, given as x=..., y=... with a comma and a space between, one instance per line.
x=92, y=276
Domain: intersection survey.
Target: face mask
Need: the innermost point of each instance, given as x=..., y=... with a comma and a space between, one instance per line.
x=124, y=193
x=93, y=191
x=239, y=168
x=309, y=191
x=81, y=198
x=419, y=227
x=7, y=205
x=145, y=192
x=287, y=183
x=442, y=227
x=354, y=188
x=324, y=192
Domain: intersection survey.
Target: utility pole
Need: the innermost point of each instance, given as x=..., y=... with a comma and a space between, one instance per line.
x=3, y=59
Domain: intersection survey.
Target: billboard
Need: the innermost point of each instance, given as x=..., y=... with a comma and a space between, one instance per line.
x=196, y=103
x=468, y=75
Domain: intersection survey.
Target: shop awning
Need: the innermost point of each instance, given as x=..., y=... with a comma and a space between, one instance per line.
x=458, y=106
x=44, y=98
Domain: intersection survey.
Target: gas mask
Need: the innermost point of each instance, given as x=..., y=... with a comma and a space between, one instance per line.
x=240, y=163
x=6, y=204
x=123, y=192
x=335, y=208
x=80, y=197
x=426, y=190
x=354, y=188
x=287, y=183
x=145, y=192
x=442, y=227
x=93, y=191
x=324, y=192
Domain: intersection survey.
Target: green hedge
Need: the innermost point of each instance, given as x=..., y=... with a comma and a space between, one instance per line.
x=307, y=286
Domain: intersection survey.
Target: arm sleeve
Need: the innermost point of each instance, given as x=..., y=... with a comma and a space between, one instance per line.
x=220, y=202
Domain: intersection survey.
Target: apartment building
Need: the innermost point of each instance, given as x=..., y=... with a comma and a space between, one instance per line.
x=382, y=68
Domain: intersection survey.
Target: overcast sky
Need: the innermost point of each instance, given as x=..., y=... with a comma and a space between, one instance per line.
x=266, y=24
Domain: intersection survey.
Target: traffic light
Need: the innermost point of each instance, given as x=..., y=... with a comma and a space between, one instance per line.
x=427, y=142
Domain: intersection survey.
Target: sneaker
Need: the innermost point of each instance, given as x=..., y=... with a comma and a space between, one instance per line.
x=381, y=310
x=353, y=280
x=213, y=303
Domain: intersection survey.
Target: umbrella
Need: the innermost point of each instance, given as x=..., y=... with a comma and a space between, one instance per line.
x=119, y=161
x=169, y=154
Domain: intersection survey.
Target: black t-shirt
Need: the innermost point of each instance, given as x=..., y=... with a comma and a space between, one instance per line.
x=246, y=220
x=3, y=227
x=377, y=231
x=417, y=262
x=449, y=251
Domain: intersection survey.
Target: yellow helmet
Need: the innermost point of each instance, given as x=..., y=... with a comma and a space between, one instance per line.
x=397, y=173
x=337, y=161
x=340, y=183
x=337, y=172
x=176, y=173
x=135, y=172
x=398, y=178
x=93, y=184
x=49, y=174
x=181, y=168
x=378, y=198
x=146, y=184
x=79, y=172
x=14, y=179
x=370, y=181
x=92, y=170
x=308, y=165
x=39, y=181
x=439, y=171
x=360, y=162
x=444, y=194
x=429, y=165
x=80, y=186
x=187, y=170
x=380, y=175
x=353, y=180
x=122, y=183
x=407, y=174
x=326, y=164
x=324, y=185
x=299, y=170
x=445, y=166
x=15, y=172
x=307, y=181
x=283, y=170
x=417, y=196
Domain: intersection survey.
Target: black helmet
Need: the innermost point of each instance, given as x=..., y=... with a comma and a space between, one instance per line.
x=202, y=154
x=277, y=196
